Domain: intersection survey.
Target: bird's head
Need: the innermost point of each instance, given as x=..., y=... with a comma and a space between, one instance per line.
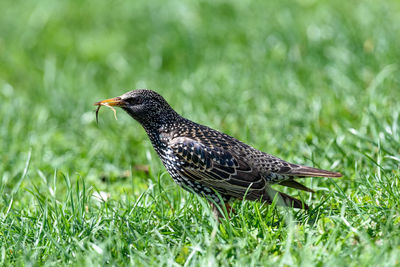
x=145, y=106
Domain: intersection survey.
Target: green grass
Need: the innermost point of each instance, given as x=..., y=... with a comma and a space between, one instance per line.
x=313, y=82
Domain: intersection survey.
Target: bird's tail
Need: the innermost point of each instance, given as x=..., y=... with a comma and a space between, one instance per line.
x=304, y=171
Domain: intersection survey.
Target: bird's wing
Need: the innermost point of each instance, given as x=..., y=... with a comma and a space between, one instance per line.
x=225, y=172
x=217, y=168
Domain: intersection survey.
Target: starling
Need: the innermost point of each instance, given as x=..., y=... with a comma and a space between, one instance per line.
x=208, y=162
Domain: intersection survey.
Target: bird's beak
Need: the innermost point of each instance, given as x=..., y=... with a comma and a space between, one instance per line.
x=113, y=102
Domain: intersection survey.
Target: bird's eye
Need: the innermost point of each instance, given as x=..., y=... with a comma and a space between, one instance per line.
x=135, y=101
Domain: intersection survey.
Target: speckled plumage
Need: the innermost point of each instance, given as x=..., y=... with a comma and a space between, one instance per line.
x=207, y=161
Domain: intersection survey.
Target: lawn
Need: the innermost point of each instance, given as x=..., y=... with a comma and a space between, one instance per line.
x=312, y=82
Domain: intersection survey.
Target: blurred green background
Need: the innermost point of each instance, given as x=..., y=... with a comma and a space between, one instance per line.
x=314, y=82
x=267, y=73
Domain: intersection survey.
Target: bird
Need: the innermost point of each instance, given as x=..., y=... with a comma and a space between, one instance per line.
x=211, y=163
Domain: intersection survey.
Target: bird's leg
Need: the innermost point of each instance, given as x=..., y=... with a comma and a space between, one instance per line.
x=229, y=209
x=217, y=213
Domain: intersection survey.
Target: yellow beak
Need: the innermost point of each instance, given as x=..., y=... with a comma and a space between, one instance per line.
x=116, y=101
